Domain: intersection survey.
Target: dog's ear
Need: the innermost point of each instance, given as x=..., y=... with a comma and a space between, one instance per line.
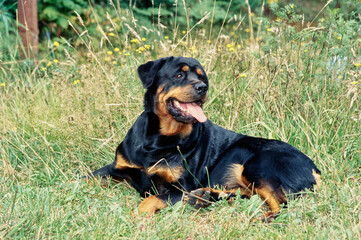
x=148, y=71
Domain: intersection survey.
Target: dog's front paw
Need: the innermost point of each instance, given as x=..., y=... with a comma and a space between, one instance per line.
x=200, y=198
x=151, y=205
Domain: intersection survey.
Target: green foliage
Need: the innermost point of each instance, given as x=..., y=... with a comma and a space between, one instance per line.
x=8, y=32
x=60, y=12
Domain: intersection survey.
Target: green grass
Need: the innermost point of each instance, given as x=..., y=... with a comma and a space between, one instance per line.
x=55, y=129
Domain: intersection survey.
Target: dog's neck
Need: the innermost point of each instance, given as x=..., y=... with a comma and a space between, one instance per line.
x=170, y=127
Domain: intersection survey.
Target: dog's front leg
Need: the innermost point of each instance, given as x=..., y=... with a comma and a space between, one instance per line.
x=153, y=204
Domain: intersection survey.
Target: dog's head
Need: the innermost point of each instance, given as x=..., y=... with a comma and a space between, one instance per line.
x=176, y=87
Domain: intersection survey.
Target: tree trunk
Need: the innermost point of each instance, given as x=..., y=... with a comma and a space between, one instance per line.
x=28, y=27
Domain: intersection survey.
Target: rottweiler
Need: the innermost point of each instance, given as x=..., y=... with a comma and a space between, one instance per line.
x=173, y=150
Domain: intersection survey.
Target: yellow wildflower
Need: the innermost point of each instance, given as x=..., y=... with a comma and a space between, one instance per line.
x=291, y=5
x=126, y=54
x=140, y=49
x=252, y=14
x=3, y=84
x=114, y=62
x=248, y=30
x=243, y=75
x=232, y=49
x=56, y=44
x=49, y=64
x=281, y=70
x=111, y=34
x=106, y=59
x=184, y=32
x=354, y=82
x=76, y=82
x=56, y=60
x=339, y=38
x=239, y=46
x=134, y=40
x=147, y=46
x=229, y=45
x=144, y=39
x=322, y=20
x=166, y=37
x=116, y=49
x=43, y=69
x=359, y=40
x=357, y=64
x=208, y=41
x=110, y=53
x=269, y=29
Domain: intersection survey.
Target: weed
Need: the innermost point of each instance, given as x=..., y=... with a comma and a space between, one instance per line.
x=293, y=82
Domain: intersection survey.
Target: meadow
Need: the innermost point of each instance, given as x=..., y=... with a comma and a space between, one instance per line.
x=63, y=117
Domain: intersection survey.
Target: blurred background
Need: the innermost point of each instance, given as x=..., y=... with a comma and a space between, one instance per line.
x=55, y=17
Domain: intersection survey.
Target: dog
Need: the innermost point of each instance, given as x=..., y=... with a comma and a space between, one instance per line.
x=173, y=150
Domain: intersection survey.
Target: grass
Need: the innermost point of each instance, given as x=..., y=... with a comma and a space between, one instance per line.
x=62, y=121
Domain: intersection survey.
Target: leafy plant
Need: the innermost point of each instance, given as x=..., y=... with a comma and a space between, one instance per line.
x=56, y=14
x=8, y=32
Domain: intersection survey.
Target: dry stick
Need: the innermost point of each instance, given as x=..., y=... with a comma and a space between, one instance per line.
x=220, y=31
x=199, y=22
x=213, y=11
x=175, y=20
x=320, y=12
x=224, y=20
x=117, y=11
x=91, y=52
x=250, y=21
x=260, y=22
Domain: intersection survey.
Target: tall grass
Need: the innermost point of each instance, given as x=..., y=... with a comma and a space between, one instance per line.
x=65, y=118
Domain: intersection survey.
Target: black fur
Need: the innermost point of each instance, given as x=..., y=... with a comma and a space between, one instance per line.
x=207, y=154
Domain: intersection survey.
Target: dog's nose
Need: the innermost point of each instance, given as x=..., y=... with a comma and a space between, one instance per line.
x=201, y=88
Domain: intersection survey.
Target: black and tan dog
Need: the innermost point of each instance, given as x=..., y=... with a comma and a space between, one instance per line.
x=172, y=149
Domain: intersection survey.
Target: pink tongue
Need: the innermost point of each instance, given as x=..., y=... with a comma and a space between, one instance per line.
x=195, y=110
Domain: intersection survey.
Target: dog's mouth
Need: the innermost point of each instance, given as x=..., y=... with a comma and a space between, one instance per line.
x=186, y=112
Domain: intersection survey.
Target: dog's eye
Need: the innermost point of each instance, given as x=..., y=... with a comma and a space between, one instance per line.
x=178, y=76
x=201, y=78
